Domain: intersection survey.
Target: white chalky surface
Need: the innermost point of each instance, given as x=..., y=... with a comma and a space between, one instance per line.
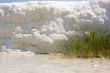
x=41, y=27
x=44, y=64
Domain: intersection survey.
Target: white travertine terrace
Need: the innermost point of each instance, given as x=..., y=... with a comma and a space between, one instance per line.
x=42, y=27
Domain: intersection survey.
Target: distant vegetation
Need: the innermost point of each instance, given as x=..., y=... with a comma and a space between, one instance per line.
x=91, y=43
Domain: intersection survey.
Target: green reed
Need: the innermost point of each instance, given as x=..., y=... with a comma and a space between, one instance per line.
x=91, y=43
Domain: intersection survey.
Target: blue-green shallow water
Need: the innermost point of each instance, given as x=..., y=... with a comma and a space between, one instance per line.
x=44, y=64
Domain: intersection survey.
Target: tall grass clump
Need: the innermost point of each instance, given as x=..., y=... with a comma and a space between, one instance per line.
x=91, y=43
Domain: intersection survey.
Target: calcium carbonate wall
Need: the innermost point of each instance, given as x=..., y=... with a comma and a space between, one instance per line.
x=42, y=27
